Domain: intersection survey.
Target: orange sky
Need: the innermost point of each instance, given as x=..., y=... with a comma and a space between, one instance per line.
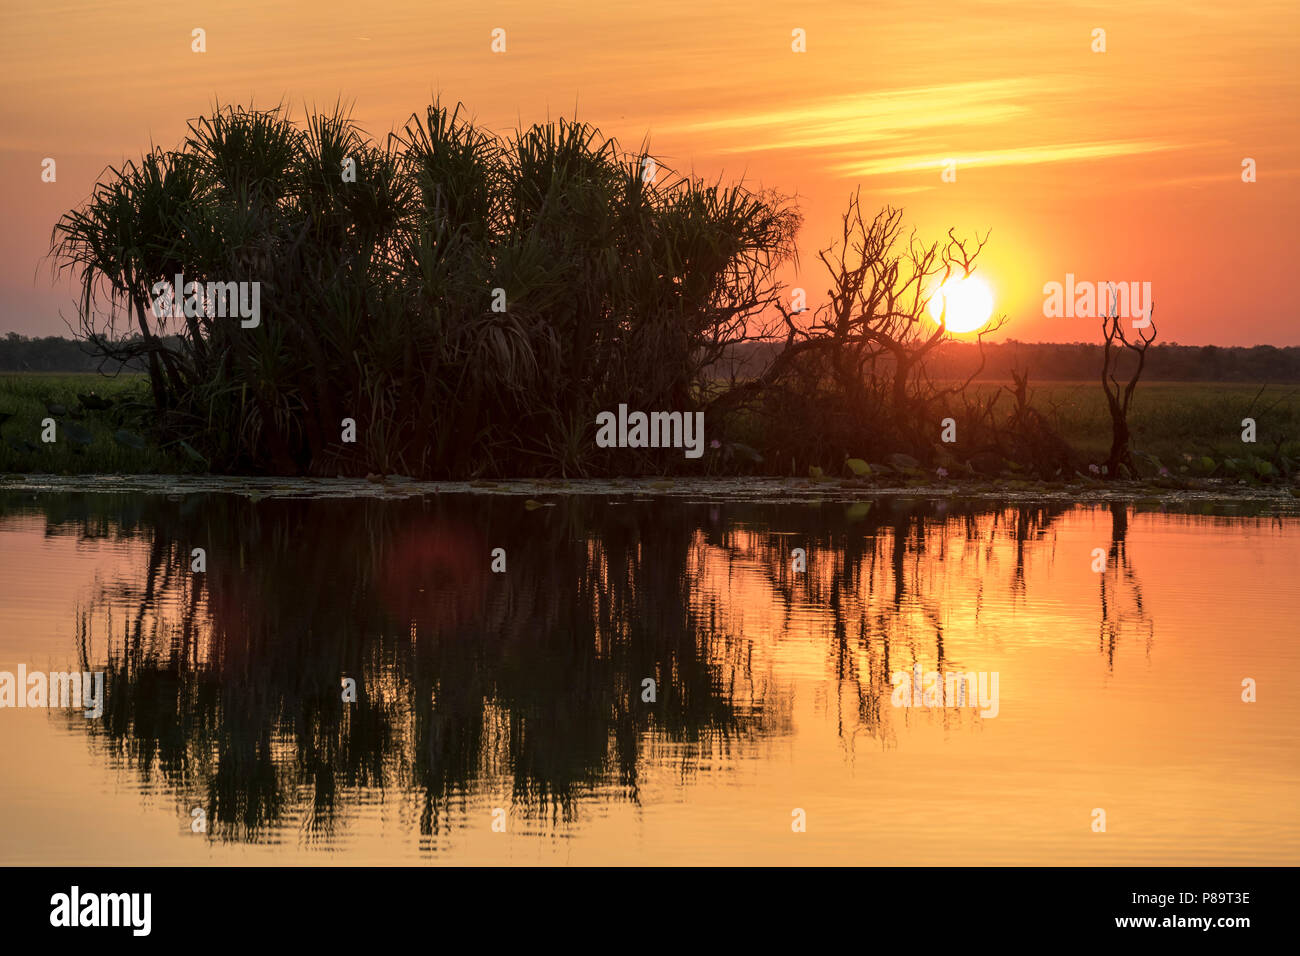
x=1122, y=165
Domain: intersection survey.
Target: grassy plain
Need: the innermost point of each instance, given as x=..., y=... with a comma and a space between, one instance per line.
x=112, y=441
x=1175, y=422
x=1171, y=420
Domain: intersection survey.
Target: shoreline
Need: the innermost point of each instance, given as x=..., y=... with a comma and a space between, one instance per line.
x=544, y=492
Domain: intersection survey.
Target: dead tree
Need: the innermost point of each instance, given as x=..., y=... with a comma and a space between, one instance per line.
x=874, y=331
x=1119, y=399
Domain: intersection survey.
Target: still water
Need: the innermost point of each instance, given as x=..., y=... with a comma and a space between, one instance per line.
x=520, y=698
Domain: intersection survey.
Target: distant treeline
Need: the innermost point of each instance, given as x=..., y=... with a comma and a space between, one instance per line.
x=1046, y=362
x=53, y=353
x=1081, y=361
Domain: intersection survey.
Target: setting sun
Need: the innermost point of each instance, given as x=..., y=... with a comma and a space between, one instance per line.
x=969, y=303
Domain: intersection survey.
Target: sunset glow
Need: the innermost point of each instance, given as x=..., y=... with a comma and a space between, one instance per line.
x=1106, y=164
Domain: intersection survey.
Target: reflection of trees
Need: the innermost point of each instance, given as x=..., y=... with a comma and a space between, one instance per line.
x=880, y=577
x=226, y=685
x=1121, y=592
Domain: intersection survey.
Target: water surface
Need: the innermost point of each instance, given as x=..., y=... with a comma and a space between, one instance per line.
x=523, y=691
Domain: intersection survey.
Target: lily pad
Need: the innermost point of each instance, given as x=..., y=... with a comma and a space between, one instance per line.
x=192, y=453
x=129, y=438
x=857, y=511
x=743, y=451
x=78, y=434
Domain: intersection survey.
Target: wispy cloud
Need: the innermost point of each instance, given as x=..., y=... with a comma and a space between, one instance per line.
x=1020, y=156
x=1230, y=177
x=902, y=190
x=869, y=116
x=892, y=131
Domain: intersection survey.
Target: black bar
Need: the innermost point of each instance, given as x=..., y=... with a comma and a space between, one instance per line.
x=614, y=908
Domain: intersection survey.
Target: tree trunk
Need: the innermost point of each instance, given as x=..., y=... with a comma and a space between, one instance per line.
x=1119, y=450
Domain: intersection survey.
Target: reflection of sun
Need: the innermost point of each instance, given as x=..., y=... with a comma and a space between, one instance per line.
x=969, y=303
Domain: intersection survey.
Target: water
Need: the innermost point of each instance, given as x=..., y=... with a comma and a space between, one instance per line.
x=523, y=691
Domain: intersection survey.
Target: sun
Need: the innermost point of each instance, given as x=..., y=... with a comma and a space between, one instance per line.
x=969, y=303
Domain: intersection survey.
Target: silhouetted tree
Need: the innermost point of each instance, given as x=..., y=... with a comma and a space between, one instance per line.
x=1119, y=399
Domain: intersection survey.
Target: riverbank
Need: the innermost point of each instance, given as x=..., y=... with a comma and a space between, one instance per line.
x=1192, y=431
x=1209, y=497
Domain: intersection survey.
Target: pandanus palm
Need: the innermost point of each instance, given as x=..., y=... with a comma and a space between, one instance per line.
x=132, y=232
x=469, y=301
